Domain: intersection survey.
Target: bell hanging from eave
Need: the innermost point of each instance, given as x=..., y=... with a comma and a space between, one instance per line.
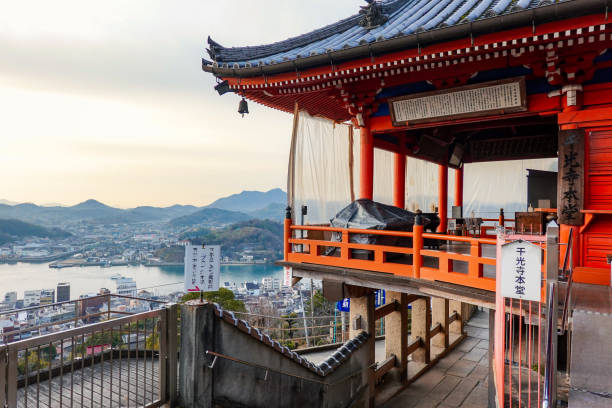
x=243, y=107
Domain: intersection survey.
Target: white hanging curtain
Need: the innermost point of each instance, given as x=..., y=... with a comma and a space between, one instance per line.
x=324, y=172
x=322, y=156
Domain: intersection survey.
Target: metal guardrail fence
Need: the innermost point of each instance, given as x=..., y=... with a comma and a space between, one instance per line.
x=44, y=319
x=128, y=361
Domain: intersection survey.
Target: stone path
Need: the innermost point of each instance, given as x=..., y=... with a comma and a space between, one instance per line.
x=459, y=380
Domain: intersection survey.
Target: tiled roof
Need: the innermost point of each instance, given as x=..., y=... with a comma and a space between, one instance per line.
x=323, y=369
x=404, y=17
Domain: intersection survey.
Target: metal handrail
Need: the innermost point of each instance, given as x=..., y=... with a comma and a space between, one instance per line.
x=568, y=255
x=549, y=370
x=87, y=299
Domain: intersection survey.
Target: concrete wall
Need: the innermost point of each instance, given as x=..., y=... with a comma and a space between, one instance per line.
x=232, y=384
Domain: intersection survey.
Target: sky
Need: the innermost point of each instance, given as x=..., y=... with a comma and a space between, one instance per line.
x=107, y=100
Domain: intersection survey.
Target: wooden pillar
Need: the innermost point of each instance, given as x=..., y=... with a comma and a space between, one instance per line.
x=443, y=198
x=459, y=187
x=456, y=327
x=396, y=333
x=362, y=319
x=440, y=314
x=367, y=164
x=399, y=181
x=421, y=326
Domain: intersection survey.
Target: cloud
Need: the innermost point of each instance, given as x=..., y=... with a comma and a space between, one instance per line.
x=108, y=99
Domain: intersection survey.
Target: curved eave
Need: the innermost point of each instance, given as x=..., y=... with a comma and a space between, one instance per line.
x=535, y=16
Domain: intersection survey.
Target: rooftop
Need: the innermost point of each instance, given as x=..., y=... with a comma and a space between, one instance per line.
x=378, y=24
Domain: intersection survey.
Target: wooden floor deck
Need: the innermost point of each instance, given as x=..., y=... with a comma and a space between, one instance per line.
x=459, y=380
x=130, y=383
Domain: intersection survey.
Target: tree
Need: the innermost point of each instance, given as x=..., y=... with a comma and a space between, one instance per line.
x=224, y=297
x=322, y=306
x=289, y=323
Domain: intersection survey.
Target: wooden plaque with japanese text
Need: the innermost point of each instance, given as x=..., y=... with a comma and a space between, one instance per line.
x=570, y=199
x=488, y=98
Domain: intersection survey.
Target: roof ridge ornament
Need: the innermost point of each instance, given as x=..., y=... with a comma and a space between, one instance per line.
x=373, y=15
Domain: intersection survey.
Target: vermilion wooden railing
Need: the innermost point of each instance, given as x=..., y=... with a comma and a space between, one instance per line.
x=313, y=251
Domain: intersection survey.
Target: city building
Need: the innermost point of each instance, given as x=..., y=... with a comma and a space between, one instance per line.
x=63, y=292
x=10, y=298
x=31, y=298
x=47, y=296
x=126, y=286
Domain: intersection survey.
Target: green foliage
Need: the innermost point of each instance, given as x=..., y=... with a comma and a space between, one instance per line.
x=152, y=342
x=322, y=307
x=290, y=344
x=209, y=216
x=173, y=254
x=15, y=229
x=290, y=322
x=224, y=297
x=33, y=361
x=254, y=235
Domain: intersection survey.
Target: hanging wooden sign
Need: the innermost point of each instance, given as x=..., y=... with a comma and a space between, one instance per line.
x=570, y=191
x=488, y=98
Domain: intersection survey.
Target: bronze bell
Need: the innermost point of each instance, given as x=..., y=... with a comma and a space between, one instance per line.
x=243, y=107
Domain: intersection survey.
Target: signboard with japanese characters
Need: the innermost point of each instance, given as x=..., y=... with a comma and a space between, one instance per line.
x=521, y=269
x=570, y=189
x=287, y=275
x=202, y=268
x=489, y=98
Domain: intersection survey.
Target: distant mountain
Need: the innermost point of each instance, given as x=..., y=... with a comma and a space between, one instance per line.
x=91, y=211
x=274, y=212
x=210, y=217
x=7, y=202
x=250, y=204
x=12, y=230
x=248, y=201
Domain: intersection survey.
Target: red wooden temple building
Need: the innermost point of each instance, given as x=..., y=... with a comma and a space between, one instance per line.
x=455, y=83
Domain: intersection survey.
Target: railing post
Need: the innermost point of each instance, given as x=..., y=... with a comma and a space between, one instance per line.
x=163, y=355
x=552, y=270
x=172, y=360
x=417, y=245
x=344, y=249
x=502, y=220
x=108, y=312
x=3, y=374
x=11, y=378
x=287, y=233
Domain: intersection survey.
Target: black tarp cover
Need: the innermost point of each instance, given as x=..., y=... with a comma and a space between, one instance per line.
x=368, y=214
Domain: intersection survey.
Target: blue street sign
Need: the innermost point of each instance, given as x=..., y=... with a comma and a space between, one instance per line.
x=344, y=305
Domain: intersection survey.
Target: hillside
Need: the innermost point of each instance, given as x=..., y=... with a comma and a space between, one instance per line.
x=12, y=230
x=248, y=201
x=264, y=237
x=210, y=217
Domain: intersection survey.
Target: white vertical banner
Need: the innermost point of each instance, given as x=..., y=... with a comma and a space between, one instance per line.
x=287, y=275
x=521, y=278
x=202, y=268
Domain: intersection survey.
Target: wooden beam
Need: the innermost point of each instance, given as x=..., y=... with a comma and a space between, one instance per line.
x=437, y=329
x=384, y=310
x=415, y=345
x=383, y=368
x=419, y=287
